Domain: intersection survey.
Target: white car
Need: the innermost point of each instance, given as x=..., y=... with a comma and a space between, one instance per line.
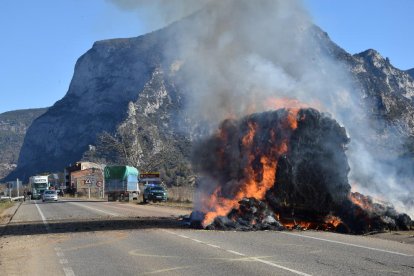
x=49, y=195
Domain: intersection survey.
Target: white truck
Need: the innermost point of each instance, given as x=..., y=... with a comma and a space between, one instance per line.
x=38, y=184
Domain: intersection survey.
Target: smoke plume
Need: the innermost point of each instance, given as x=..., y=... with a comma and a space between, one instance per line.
x=236, y=57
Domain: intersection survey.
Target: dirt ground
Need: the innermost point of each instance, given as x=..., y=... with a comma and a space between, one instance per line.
x=398, y=236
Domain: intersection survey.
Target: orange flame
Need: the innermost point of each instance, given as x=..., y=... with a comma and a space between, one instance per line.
x=255, y=182
x=278, y=103
x=333, y=220
x=303, y=225
x=361, y=200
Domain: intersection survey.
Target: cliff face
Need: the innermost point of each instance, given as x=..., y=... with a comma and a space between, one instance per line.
x=125, y=94
x=106, y=79
x=389, y=91
x=410, y=72
x=13, y=128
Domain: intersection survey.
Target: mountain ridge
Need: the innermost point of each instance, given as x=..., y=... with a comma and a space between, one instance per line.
x=110, y=90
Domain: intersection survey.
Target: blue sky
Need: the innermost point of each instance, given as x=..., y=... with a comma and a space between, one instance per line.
x=42, y=39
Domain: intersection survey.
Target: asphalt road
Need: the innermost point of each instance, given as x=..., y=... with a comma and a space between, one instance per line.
x=101, y=238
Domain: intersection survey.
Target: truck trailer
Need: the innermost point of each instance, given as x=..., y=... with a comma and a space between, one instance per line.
x=121, y=183
x=38, y=184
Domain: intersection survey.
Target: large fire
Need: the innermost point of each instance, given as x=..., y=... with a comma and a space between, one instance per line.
x=259, y=166
x=285, y=167
x=259, y=169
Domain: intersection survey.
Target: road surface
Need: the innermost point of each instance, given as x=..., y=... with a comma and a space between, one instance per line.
x=102, y=238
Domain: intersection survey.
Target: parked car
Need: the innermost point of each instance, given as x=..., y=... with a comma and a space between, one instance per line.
x=154, y=193
x=49, y=195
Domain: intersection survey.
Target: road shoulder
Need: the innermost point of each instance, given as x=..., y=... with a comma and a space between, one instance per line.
x=7, y=214
x=406, y=237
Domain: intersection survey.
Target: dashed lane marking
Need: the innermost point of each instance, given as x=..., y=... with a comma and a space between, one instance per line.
x=63, y=261
x=348, y=244
x=257, y=259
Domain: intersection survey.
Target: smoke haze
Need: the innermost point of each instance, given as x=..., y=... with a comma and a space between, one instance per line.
x=237, y=56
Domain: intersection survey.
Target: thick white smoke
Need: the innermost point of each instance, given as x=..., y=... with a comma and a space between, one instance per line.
x=155, y=14
x=236, y=56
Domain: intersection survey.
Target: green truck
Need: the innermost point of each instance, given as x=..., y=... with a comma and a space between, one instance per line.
x=121, y=183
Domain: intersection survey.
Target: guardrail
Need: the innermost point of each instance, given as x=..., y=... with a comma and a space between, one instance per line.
x=11, y=198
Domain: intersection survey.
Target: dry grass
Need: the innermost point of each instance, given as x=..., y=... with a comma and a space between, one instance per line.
x=5, y=204
x=174, y=204
x=178, y=197
x=181, y=194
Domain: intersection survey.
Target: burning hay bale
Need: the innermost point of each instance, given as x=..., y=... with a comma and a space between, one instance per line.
x=252, y=214
x=283, y=169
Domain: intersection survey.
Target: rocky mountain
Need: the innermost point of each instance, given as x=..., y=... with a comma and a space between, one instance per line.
x=410, y=72
x=388, y=94
x=390, y=88
x=125, y=105
x=13, y=128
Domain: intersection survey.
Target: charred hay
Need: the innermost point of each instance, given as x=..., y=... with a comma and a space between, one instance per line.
x=310, y=188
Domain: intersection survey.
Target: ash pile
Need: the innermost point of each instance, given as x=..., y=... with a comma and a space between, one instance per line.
x=284, y=169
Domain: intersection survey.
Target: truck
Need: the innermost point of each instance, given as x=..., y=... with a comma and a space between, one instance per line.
x=38, y=184
x=121, y=183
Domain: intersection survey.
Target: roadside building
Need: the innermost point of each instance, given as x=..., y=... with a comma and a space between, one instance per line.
x=78, y=166
x=88, y=181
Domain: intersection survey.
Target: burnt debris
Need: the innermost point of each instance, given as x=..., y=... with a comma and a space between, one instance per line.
x=284, y=169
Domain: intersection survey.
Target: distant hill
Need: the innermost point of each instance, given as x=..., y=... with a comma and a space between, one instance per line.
x=13, y=127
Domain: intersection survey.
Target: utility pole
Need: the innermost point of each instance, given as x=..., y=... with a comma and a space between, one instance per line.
x=103, y=180
x=17, y=186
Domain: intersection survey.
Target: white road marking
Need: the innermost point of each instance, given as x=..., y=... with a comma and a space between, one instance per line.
x=63, y=261
x=280, y=266
x=43, y=218
x=95, y=209
x=235, y=252
x=68, y=271
x=241, y=254
x=348, y=244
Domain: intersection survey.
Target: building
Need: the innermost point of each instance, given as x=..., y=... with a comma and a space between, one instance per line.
x=88, y=182
x=78, y=166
